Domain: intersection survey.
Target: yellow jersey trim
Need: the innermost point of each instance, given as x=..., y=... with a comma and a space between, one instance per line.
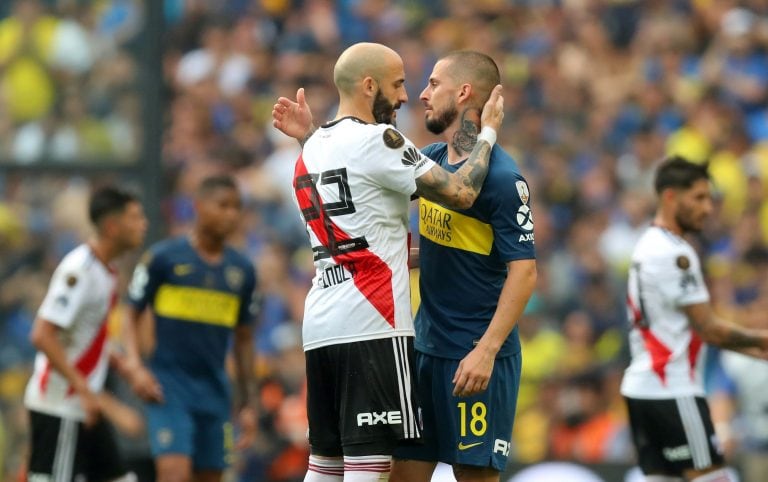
x=454, y=230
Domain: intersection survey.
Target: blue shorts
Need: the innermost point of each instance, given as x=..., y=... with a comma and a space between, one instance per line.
x=465, y=430
x=206, y=437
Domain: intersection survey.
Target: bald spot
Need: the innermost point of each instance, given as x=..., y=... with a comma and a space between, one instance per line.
x=476, y=69
x=360, y=61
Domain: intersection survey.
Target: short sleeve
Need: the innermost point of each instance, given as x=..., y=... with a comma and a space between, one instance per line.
x=512, y=218
x=147, y=277
x=681, y=281
x=394, y=162
x=65, y=296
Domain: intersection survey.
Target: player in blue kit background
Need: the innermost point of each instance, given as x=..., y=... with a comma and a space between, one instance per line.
x=200, y=291
x=478, y=271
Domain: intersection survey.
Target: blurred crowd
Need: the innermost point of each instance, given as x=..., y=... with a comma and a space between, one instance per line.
x=596, y=93
x=68, y=77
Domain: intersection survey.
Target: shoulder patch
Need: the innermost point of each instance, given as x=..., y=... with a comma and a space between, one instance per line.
x=683, y=262
x=522, y=191
x=71, y=280
x=393, y=139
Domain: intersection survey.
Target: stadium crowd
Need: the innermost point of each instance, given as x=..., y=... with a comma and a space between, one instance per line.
x=596, y=92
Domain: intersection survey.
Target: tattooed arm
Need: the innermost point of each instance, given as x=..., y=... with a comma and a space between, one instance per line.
x=460, y=189
x=725, y=334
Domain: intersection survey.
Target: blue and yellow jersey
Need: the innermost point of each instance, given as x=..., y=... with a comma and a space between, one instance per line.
x=196, y=305
x=471, y=248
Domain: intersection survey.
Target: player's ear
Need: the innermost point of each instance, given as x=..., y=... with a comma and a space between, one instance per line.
x=370, y=86
x=465, y=93
x=668, y=195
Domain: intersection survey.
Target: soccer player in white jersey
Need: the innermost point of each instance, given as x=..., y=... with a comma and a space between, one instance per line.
x=353, y=183
x=671, y=319
x=69, y=439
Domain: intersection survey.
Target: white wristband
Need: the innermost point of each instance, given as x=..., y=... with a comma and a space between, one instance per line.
x=487, y=134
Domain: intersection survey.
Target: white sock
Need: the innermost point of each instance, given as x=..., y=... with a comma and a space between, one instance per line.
x=368, y=468
x=720, y=475
x=324, y=469
x=663, y=478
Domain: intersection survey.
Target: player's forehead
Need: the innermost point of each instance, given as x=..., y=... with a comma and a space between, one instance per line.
x=441, y=69
x=394, y=71
x=220, y=194
x=701, y=187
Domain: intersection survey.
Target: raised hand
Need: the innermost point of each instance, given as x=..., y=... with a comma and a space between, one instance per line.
x=293, y=119
x=493, y=110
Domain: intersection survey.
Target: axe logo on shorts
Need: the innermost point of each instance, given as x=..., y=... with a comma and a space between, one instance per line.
x=379, y=418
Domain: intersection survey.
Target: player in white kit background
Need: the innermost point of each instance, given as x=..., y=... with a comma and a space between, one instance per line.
x=671, y=319
x=70, y=440
x=353, y=184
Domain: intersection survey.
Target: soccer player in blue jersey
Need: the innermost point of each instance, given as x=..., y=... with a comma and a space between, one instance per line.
x=467, y=346
x=200, y=291
x=477, y=273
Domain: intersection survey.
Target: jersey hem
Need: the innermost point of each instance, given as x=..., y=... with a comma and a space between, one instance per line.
x=54, y=411
x=501, y=354
x=339, y=340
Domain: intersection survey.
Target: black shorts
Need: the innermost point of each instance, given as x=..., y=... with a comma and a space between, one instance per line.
x=361, y=397
x=63, y=450
x=675, y=435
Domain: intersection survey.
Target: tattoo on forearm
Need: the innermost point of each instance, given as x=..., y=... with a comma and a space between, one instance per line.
x=477, y=165
x=460, y=189
x=465, y=138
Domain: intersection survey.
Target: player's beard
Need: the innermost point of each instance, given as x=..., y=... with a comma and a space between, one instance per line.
x=684, y=218
x=384, y=110
x=440, y=122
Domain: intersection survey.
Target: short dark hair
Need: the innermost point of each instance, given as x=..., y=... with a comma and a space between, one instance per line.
x=477, y=68
x=678, y=173
x=218, y=181
x=108, y=200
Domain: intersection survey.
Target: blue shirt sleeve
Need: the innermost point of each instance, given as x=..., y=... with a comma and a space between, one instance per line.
x=147, y=277
x=249, y=300
x=512, y=217
x=429, y=151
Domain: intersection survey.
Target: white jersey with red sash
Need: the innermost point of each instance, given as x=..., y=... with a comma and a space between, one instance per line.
x=352, y=184
x=667, y=354
x=80, y=297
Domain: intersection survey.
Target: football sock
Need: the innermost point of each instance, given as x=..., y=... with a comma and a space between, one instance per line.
x=369, y=468
x=325, y=469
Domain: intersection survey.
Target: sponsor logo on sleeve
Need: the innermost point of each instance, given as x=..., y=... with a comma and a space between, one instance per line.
x=410, y=157
x=525, y=217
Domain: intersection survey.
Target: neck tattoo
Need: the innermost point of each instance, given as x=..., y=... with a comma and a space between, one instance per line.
x=465, y=138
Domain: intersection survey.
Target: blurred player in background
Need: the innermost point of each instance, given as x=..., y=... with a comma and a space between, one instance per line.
x=467, y=347
x=353, y=184
x=200, y=291
x=70, y=440
x=671, y=317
